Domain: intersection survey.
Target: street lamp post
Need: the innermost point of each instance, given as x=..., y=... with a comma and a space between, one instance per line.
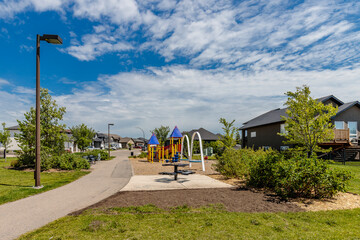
x=109, y=124
x=143, y=135
x=53, y=39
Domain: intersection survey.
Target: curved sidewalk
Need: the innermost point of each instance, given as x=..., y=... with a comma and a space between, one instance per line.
x=107, y=178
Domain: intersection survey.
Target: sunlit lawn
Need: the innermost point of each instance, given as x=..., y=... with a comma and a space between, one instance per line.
x=354, y=168
x=15, y=184
x=149, y=222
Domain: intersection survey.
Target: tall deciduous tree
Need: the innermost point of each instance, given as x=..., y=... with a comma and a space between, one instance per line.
x=161, y=134
x=52, y=131
x=82, y=136
x=308, y=122
x=5, y=139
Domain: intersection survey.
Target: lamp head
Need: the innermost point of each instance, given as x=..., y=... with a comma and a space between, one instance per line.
x=53, y=39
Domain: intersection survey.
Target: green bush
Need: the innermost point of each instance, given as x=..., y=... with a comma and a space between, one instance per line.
x=142, y=155
x=27, y=159
x=236, y=163
x=70, y=161
x=298, y=176
x=104, y=154
x=65, y=161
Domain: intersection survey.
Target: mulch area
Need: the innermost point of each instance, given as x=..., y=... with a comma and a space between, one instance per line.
x=233, y=199
x=142, y=167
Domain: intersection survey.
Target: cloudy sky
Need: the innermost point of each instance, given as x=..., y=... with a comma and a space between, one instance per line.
x=166, y=62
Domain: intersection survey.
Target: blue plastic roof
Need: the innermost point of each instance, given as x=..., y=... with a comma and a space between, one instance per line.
x=176, y=133
x=153, y=140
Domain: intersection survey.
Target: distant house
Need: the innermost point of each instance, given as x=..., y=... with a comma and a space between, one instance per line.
x=139, y=142
x=262, y=131
x=126, y=142
x=100, y=141
x=115, y=141
x=14, y=145
x=206, y=135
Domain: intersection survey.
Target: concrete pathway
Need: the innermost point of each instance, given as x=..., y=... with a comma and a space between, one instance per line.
x=107, y=178
x=163, y=182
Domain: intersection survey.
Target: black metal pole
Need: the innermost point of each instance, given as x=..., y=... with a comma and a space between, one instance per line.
x=37, y=136
x=109, y=139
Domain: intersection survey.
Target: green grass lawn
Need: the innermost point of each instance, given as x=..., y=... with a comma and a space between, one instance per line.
x=15, y=184
x=148, y=222
x=354, y=168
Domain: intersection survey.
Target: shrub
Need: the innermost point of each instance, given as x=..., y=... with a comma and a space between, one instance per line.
x=70, y=161
x=298, y=176
x=142, y=155
x=66, y=161
x=104, y=155
x=27, y=159
x=236, y=163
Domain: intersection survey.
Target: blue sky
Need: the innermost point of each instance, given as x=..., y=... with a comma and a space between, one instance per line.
x=166, y=62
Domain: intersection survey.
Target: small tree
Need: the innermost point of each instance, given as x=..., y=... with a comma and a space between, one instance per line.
x=308, y=122
x=161, y=134
x=52, y=134
x=5, y=139
x=227, y=140
x=82, y=135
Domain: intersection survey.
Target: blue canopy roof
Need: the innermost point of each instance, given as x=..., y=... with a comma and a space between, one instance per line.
x=153, y=140
x=176, y=133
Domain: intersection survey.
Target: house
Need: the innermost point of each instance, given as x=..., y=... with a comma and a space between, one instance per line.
x=14, y=145
x=262, y=131
x=139, y=142
x=126, y=142
x=206, y=135
x=115, y=141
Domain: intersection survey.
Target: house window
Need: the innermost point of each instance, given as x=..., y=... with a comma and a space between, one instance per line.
x=339, y=125
x=245, y=133
x=283, y=148
x=282, y=128
x=266, y=147
x=353, y=129
x=253, y=134
x=240, y=134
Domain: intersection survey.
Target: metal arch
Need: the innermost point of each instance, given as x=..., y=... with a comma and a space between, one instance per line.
x=182, y=146
x=201, y=150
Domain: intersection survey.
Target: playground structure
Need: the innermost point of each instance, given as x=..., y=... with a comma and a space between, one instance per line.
x=174, y=152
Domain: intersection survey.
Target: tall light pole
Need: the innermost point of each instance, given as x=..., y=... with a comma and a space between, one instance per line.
x=143, y=136
x=53, y=39
x=109, y=124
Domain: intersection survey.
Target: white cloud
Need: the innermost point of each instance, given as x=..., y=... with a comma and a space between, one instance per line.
x=117, y=11
x=97, y=44
x=4, y=82
x=192, y=98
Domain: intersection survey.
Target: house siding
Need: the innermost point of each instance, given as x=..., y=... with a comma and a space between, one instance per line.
x=266, y=135
x=351, y=114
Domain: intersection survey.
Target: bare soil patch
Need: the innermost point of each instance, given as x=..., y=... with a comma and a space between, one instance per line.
x=234, y=200
x=244, y=200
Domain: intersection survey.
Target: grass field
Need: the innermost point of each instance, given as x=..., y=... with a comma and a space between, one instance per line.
x=15, y=184
x=354, y=168
x=149, y=222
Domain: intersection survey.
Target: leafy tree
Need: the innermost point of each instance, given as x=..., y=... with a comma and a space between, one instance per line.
x=5, y=139
x=308, y=123
x=52, y=132
x=82, y=136
x=238, y=139
x=161, y=134
x=227, y=140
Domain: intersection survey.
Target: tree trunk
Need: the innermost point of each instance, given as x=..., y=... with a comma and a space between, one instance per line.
x=5, y=154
